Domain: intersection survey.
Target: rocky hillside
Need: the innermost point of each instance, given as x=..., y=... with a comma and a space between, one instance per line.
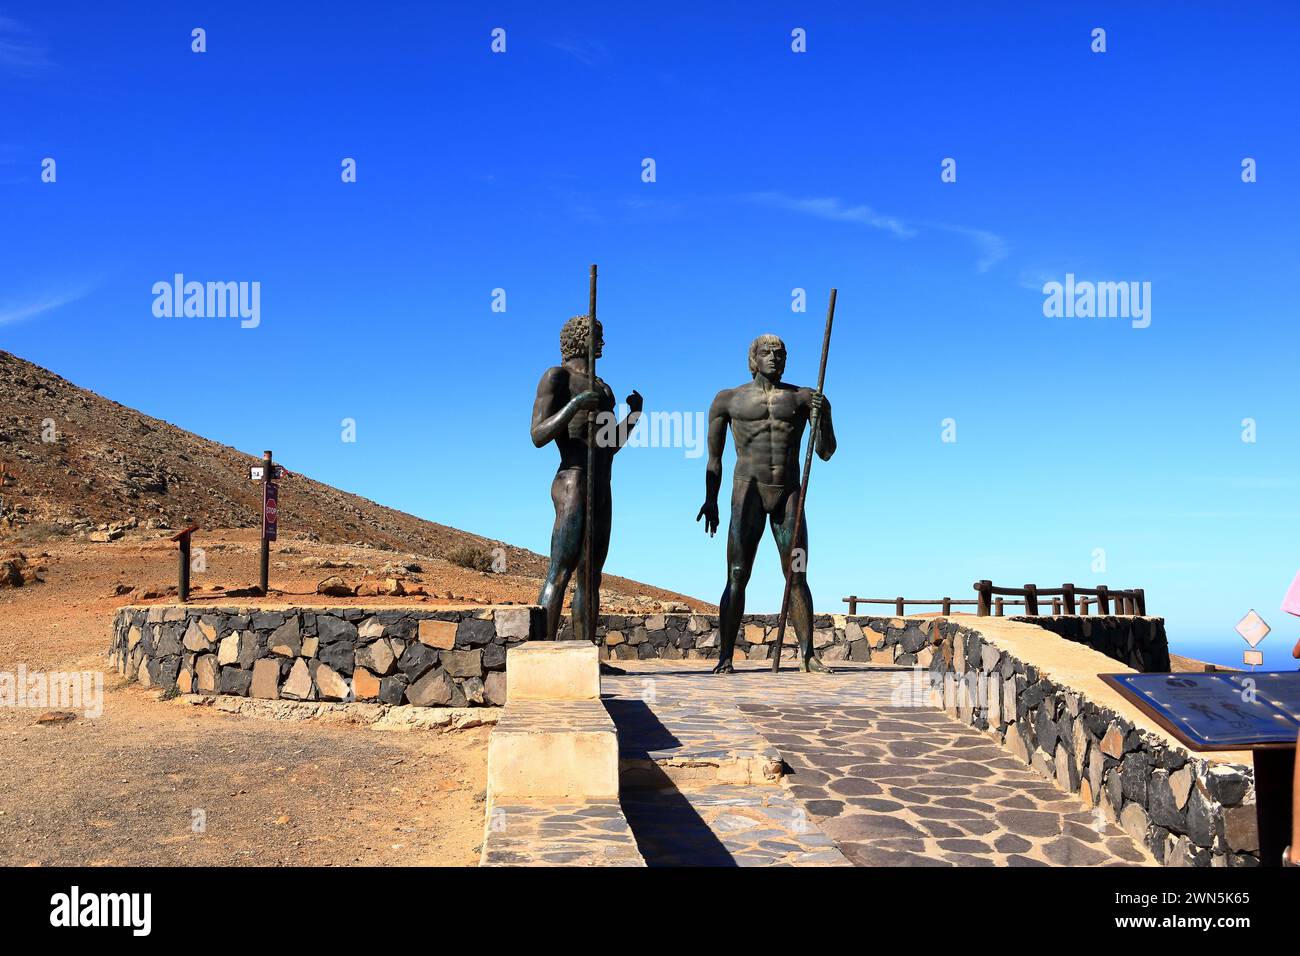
x=74, y=464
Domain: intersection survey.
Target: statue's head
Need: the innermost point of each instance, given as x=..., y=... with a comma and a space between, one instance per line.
x=767, y=355
x=573, y=338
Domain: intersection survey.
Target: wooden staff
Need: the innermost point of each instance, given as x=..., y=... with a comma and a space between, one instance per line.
x=589, y=525
x=814, y=422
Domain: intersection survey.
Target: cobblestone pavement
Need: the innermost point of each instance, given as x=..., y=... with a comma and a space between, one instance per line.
x=888, y=785
x=726, y=826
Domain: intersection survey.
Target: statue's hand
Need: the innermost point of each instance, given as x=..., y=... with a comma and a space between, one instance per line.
x=635, y=402
x=709, y=512
x=818, y=400
x=585, y=402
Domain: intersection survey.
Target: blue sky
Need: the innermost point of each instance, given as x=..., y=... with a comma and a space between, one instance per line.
x=774, y=171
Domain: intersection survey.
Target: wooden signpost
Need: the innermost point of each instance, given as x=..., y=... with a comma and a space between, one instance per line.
x=182, y=539
x=269, y=475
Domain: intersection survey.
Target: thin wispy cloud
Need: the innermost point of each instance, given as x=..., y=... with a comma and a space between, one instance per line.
x=834, y=209
x=21, y=51
x=586, y=52
x=991, y=247
x=11, y=312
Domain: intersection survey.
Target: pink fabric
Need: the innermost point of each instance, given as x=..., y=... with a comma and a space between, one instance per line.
x=1291, y=603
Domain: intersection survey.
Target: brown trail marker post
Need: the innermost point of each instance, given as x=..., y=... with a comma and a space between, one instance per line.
x=182, y=539
x=803, y=494
x=268, y=473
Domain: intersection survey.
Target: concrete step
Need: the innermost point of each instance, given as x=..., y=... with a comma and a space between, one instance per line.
x=543, y=832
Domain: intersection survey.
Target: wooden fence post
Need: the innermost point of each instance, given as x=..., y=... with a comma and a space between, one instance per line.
x=947, y=606
x=985, y=593
x=1103, y=599
x=999, y=602
x=898, y=606
x=853, y=604
x=1141, y=601
x=1069, y=599
x=1031, y=600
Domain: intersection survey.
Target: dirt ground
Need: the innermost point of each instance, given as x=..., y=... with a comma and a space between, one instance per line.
x=123, y=788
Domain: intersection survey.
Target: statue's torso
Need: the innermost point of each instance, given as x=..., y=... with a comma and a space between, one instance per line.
x=767, y=426
x=573, y=444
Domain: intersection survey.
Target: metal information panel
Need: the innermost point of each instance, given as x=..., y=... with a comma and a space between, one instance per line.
x=1219, y=711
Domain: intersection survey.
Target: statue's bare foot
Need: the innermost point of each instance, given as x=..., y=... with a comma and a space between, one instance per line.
x=811, y=665
x=607, y=668
x=724, y=667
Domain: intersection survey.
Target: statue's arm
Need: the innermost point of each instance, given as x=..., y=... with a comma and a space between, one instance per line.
x=824, y=442
x=550, y=415
x=719, y=419
x=628, y=424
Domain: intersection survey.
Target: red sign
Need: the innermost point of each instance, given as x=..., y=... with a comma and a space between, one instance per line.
x=270, y=509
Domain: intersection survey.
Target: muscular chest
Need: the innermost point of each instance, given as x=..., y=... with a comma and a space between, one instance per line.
x=755, y=413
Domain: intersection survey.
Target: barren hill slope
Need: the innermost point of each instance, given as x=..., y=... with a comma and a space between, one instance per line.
x=72, y=461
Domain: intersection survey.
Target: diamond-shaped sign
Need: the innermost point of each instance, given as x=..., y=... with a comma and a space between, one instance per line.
x=1253, y=629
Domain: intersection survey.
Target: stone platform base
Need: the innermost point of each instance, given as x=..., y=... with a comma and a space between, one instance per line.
x=553, y=749
x=553, y=670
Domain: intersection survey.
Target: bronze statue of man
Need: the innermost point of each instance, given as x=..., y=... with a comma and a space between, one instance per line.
x=564, y=395
x=767, y=418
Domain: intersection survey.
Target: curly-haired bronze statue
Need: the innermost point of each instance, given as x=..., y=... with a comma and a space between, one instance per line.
x=561, y=395
x=767, y=418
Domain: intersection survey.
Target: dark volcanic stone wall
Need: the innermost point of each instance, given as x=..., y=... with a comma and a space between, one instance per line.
x=1139, y=642
x=399, y=656
x=432, y=658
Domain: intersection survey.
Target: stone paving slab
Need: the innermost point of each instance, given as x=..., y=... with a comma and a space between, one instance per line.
x=889, y=785
x=545, y=833
x=913, y=787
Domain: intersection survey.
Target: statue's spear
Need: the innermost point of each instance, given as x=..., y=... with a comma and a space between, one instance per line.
x=813, y=424
x=589, y=525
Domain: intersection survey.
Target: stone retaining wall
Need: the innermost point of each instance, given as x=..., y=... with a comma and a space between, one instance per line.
x=452, y=658
x=1136, y=642
x=390, y=656
x=1186, y=809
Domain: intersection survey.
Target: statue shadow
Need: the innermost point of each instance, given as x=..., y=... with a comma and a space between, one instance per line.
x=669, y=831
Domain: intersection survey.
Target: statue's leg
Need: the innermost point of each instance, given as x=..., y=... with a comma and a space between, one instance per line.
x=601, y=547
x=801, y=606
x=604, y=525
x=743, y=534
x=566, y=547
